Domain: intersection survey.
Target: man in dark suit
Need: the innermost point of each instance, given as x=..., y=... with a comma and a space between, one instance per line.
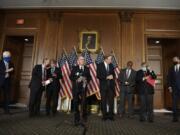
x=127, y=78
x=146, y=92
x=6, y=70
x=80, y=76
x=174, y=86
x=52, y=92
x=106, y=75
x=37, y=86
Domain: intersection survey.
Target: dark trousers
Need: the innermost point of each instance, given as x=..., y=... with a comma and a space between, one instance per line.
x=175, y=99
x=52, y=94
x=35, y=101
x=123, y=96
x=146, y=110
x=79, y=98
x=107, y=98
x=6, y=88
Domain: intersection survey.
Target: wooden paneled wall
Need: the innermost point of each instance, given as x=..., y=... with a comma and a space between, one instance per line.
x=125, y=32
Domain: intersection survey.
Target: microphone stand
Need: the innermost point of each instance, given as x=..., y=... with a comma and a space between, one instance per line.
x=83, y=96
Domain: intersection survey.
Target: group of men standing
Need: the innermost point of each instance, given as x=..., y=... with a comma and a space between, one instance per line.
x=131, y=79
x=46, y=78
x=128, y=79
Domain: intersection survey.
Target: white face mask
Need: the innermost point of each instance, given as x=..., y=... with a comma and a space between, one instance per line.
x=143, y=68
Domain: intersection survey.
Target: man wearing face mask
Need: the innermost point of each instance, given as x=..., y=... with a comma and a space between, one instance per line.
x=6, y=70
x=127, y=78
x=38, y=84
x=174, y=86
x=146, y=91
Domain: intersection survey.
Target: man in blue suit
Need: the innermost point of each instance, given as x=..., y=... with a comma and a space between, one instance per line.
x=6, y=70
x=174, y=86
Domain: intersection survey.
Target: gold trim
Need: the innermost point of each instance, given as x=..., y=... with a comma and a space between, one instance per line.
x=96, y=40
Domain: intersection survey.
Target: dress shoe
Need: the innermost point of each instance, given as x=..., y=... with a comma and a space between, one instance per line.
x=175, y=120
x=111, y=118
x=151, y=121
x=104, y=118
x=141, y=120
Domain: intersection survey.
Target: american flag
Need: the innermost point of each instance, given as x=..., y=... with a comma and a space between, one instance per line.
x=117, y=71
x=93, y=84
x=99, y=59
x=72, y=59
x=66, y=84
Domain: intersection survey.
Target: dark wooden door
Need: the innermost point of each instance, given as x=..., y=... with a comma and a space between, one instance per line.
x=171, y=48
x=21, y=51
x=15, y=46
x=154, y=57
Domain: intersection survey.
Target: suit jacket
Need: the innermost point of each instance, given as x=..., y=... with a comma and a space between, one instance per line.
x=131, y=80
x=56, y=76
x=142, y=86
x=102, y=74
x=174, y=80
x=3, y=71
x=36, y=79
x=75, y=74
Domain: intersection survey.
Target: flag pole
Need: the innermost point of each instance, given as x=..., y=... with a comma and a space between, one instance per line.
x=68, y=99
x=64, y=50
x=115, y=98
x=102, y=50
x=75, y=50
x=112, y=51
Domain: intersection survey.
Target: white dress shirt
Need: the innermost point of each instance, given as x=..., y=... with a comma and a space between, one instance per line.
x=7, y=67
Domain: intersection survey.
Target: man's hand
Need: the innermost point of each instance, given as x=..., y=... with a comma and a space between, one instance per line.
x=54, y=75
x=80, y=79
x=170, y=89
x=9, y=70
x=109, y=77
x=126, y=83
x=145, y=78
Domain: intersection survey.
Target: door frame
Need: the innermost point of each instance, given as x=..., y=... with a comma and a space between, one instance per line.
x=159, y=34
x=23, y=32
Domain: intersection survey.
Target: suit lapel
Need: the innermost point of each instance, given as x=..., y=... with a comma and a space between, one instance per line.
x=4, y=66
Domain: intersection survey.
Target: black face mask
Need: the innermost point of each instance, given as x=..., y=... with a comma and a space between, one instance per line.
x=175, y=63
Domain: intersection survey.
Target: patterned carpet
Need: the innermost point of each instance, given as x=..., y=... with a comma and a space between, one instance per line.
x=20, y=124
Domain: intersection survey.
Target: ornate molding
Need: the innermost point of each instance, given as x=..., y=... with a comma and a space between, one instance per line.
x=55, y=15
x=126, y=16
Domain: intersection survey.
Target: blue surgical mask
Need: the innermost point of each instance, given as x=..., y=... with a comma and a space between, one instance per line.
x=7, y=59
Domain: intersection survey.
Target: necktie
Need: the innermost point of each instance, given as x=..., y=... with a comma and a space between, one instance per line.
x=107, y=68
x=127, y=73
x=43, y=73
x=177, y=68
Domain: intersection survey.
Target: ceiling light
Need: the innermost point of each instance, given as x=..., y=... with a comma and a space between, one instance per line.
x=157, y=41
x=26, y=39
